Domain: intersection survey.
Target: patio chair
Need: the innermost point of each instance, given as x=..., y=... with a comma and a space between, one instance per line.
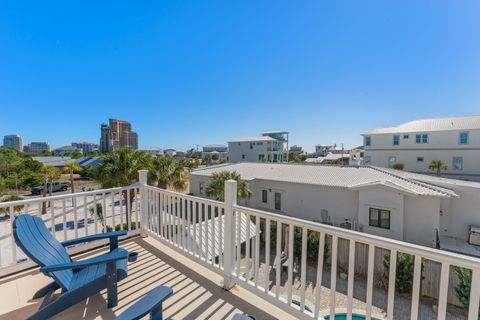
x=78, y=280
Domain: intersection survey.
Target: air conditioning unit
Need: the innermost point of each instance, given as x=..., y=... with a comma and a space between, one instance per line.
x=474, y=235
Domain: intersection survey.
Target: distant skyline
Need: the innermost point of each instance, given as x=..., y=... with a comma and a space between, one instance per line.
x=187, y=74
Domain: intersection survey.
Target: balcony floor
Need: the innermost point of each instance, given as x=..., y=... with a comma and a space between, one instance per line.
x=197, y=290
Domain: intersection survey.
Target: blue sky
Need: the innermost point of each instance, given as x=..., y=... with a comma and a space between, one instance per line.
x=197, y=72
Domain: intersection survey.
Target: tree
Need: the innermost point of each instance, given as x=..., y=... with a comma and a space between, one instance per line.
x=49, y=174
x=167, y=173
x=437, y=166
x=120, y=169
x=76, y=155
x=216, y=187
x=71, y=168
x=87, y=172
x=208, y=160
x=293, y=158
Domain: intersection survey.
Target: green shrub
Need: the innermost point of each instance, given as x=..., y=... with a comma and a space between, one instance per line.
x=18, y=208
x=398, y=166
x=463, y=288
x=404, y=274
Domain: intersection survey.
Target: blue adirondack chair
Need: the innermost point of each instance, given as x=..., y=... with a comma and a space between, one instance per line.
x=77, y=279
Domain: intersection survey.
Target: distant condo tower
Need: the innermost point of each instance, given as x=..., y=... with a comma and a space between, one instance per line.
x=117, y=135
x=13, y=141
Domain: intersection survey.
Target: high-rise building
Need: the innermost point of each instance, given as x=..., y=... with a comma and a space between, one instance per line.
x=39, y=147
x=117, y=134
x=13, y=141
x=85, y=146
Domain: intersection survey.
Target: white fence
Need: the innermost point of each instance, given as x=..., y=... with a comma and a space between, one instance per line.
x=189, y=224
x=70, y=216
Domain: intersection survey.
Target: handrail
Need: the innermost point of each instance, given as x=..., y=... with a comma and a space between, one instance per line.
x=381, y=242
x=65, y=196
x=186, y=196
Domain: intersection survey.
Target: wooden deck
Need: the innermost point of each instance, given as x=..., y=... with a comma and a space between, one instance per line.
x=197, y=291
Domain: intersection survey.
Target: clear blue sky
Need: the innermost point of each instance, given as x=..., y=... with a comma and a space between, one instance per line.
x=197, y=72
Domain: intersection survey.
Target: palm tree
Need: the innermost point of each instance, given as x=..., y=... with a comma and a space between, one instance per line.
x=166, y=173
x=120, y=169
x=49, y=173
x=438, y=166
x=70, y=168
x=216, y=187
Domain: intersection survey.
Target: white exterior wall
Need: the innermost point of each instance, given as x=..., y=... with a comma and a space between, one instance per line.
x=412, y=219
x=237, y=149
x=442, y=145
x=422, y=219
x=382, y=199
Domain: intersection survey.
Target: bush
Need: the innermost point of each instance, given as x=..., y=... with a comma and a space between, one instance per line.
x=404, y=274
x=19, y=208
x=463, y=288
x=124, y=226
x=398, y=166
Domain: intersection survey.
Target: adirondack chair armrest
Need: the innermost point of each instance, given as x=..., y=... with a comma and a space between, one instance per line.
x=151, y=304
x=113, y=236
x=105, y=258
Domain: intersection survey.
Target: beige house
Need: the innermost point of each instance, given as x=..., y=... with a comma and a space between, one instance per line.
x=409, y=207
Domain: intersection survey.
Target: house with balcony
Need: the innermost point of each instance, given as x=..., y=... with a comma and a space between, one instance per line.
x=454, y=140
x=271, y=146
x=389, y=203
x=216, y=151
x=204, y=251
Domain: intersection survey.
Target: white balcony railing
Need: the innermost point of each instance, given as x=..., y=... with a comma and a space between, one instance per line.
x=243, y=245
x=70, y=216
x=183, y=222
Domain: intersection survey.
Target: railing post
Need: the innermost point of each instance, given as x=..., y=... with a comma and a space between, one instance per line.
x=229, y=233
x=142, y=179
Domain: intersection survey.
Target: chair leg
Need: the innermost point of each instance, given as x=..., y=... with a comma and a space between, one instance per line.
x=43, y=291
x=112, y=290
x=157, y=314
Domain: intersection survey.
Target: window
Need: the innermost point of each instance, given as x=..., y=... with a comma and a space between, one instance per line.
x=278, y=201
x=368, y=141
x=261, y=157
x=457, y=163
x=264, y=196
x=243, y=156
x=406, y=136
x=239, y=144
x=419, y=159
x=392, y=160
x=463, y=139
x=200, y=187
x=259, y=143
x=252, y=144
x=367, y=160
x=396, y=140
x=421, y=138
x=379, y=218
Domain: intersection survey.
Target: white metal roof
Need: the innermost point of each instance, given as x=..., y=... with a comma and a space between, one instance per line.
x=350, y=177
x=436, y=124
x=254, y=138
x=207, y=232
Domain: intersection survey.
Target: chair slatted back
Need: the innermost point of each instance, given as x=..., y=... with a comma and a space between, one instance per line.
x=33, y=237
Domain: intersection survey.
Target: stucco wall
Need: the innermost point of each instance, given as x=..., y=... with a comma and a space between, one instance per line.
x=421, y=218
x=382, y=199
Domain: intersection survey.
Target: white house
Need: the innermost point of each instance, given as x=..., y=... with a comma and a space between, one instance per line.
x=385, y=202
x=218, y=151
x=455, y=141
x=271, y=146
